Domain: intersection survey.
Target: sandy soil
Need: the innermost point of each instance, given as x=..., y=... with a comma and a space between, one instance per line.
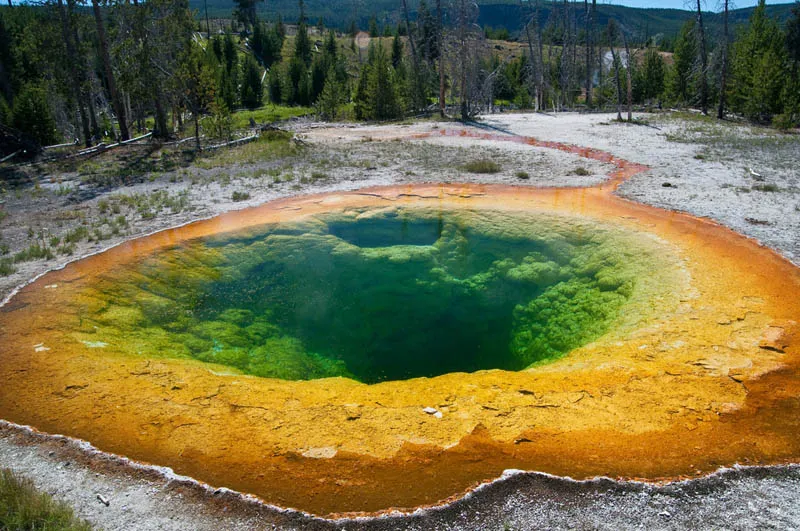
x=742, y=177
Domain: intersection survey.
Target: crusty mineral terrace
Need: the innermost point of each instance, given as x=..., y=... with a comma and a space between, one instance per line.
x=707, y=376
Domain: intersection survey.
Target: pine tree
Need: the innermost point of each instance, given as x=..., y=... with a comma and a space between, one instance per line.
x=32, y=115
x=280, y=29
x=302, y=44
x=791, y=92
x=757, y=68
x=652, y=75
x=361, y=97
x=329, y=48
x=245, y=12
x=251, y=91
x=397, y=51
x=319, y=72
x=683, y=71
x=274, y=84
x=196, y=81
x=331, y=97
x=383, y=101
x=373, y=28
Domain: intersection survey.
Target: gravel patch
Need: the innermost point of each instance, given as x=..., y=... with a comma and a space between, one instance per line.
x=745, y=178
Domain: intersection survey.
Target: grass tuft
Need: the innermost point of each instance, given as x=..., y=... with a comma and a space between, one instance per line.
x=23, y=507
x=766, y=188
x=35, y=251
x=481, y=166
x=7, y=267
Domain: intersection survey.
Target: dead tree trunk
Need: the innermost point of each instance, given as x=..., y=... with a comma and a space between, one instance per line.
x=541, y=83
x=462, y=38
x=535, y=67
x=161, y=117
x=440, y=16
x=415, y=61
x=612, y=37
x=724, y=73
x=197, y=131
x=628, y=67
x=564, y=59
x=703, y=61
x=75, y=71
x=86, y=81
x=116, y=101
x=587, y=51
x=92, y=114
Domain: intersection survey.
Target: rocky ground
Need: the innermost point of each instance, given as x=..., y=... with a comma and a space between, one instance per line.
x=745, y=178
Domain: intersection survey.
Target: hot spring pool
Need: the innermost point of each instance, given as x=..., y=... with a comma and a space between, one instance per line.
x=376, y=294
x=353, y=352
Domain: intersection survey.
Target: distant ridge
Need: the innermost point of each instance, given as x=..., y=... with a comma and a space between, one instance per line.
x=495, y=13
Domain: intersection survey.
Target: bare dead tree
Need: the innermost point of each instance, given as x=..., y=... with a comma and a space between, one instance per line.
x=462, y=41
x=564, y=60
x=723, y=78
x=536, y=53
x=588, y=50
x=628, y=66
x=534, y=64
x=701, y=35
x=116, y=101
x=414, y=58
x=465, y=49
x=440, y=17
x=74, y=67
x=611, y=33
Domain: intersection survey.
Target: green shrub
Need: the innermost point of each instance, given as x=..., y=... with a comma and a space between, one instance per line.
x=240, y=196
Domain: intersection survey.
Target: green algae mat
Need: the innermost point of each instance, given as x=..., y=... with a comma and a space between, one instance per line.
x=373, y=294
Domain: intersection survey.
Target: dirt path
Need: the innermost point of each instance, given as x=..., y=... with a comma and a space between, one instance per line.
x=705, y=179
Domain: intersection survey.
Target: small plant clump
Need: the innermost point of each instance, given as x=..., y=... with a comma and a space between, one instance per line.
x=482, y=166
x=23, y=507
x=583, y=172
x=522, y=175
x=240, y=196
x=7, y=267
x=35, y=251
x=766, y=188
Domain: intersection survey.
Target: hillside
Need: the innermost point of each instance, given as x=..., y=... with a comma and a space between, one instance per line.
x=495, y=13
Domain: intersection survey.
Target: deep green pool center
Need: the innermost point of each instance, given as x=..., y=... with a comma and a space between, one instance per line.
x=376, y=295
